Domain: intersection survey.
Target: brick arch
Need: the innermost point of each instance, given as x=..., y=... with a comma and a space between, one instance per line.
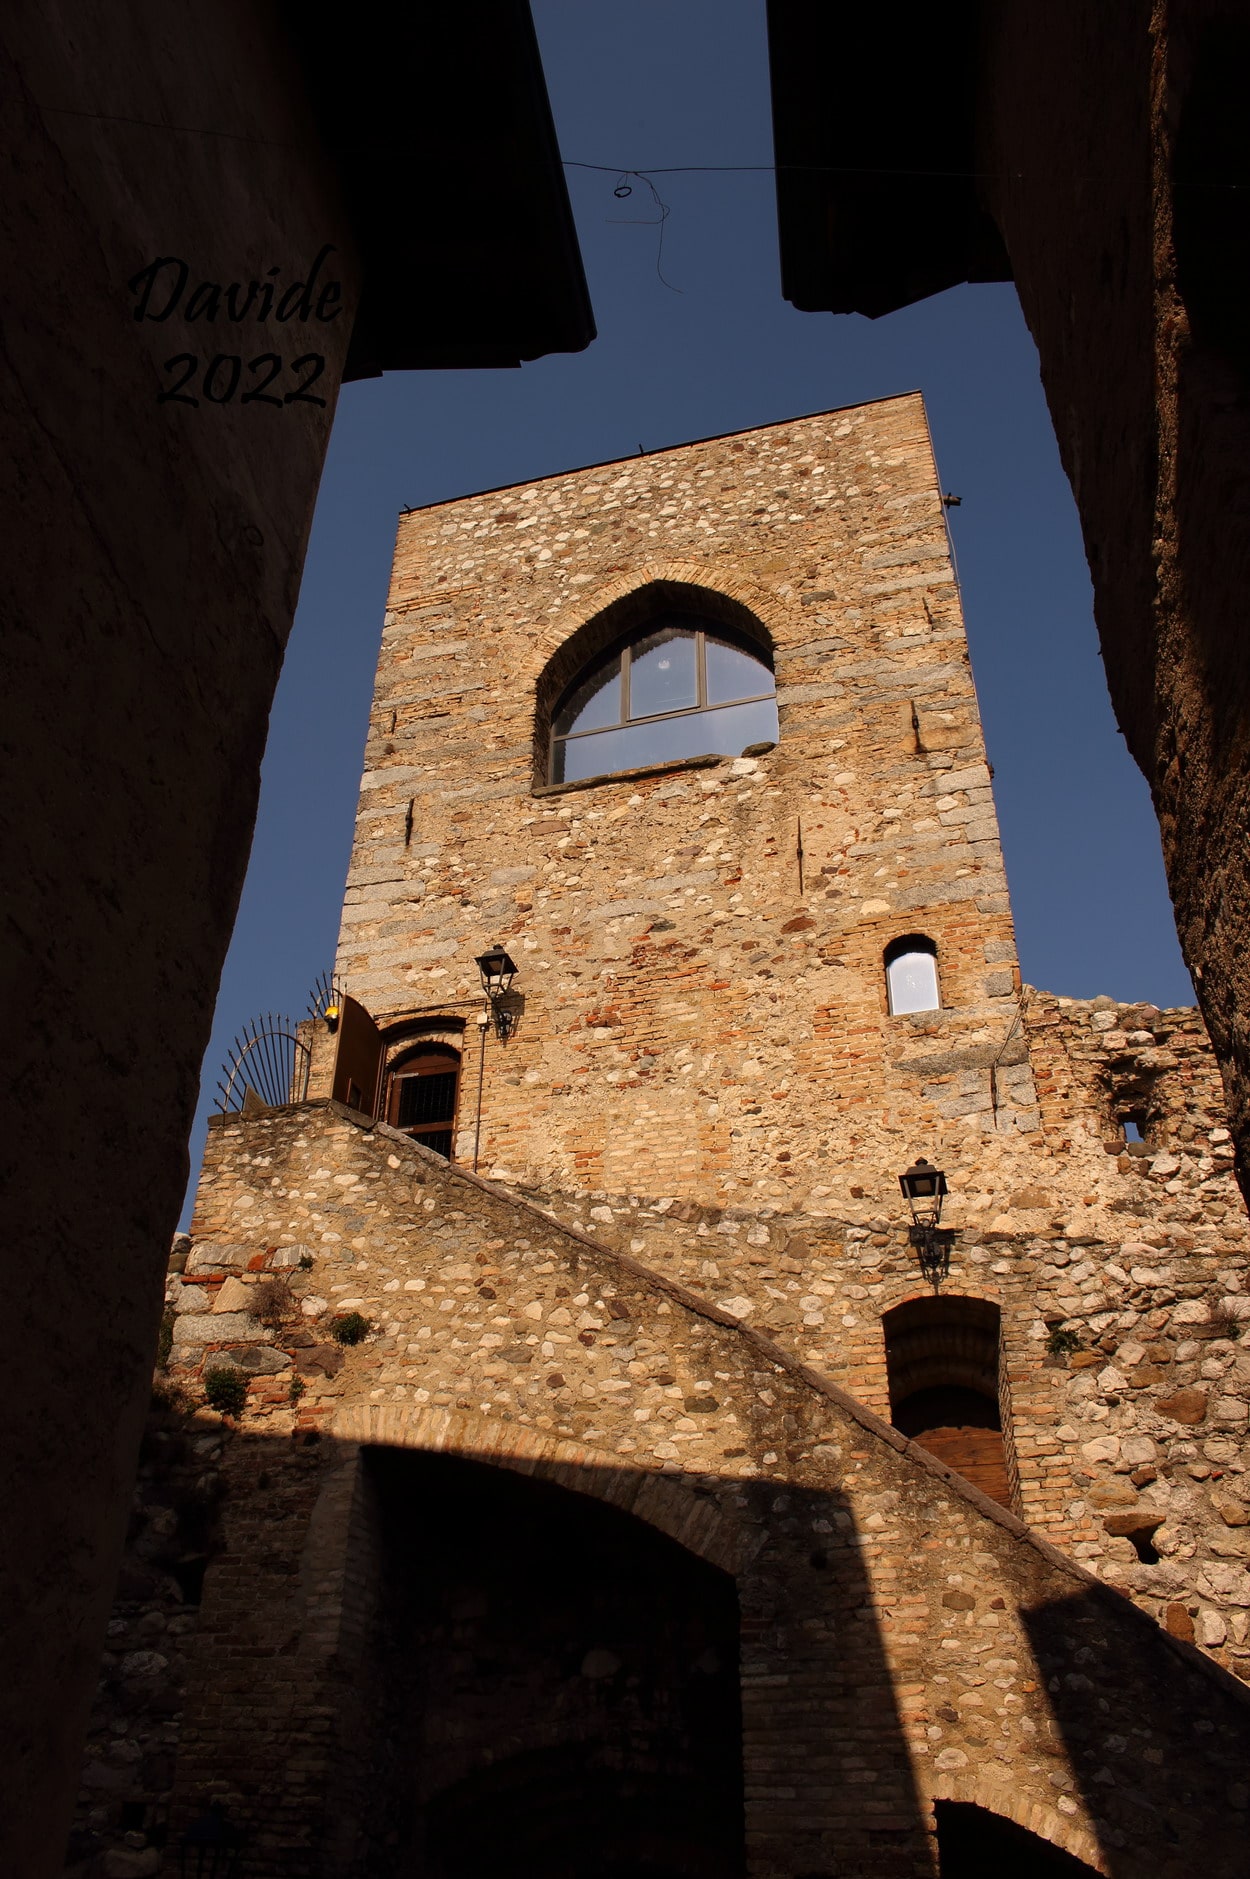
x=908, y=1288
x=712, y=578
x=1000, y=1795
x=672, y=1509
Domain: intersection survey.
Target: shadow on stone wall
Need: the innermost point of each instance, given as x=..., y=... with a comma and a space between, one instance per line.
x=414, y=1663
x=1114, y=1725
x=553, y=1684
x=410, y=1662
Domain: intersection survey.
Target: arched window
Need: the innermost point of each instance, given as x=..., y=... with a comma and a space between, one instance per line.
x=680, y=688
x=911, y=979
x=941, y=1359
x=422, y=1088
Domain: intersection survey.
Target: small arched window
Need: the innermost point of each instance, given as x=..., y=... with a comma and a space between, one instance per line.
x=911, y=979
x=422, y=1088
x=677, y=690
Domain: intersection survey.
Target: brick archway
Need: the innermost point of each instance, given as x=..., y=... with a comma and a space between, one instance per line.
x=659, y=1502
x=1000, y=1796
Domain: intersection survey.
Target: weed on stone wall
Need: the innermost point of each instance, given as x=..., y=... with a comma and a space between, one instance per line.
x=350, y=1327
x=225, y=1389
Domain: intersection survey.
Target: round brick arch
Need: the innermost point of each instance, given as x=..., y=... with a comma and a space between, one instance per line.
x=657, y=1500
x=998, y=1795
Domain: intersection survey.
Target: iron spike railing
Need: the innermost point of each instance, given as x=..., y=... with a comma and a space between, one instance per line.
x=269, y=1061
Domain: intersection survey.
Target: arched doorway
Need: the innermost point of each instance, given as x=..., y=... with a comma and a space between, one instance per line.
x=552, y=1684
x=976, y=1844
x=942, y=1363
x=422, y=1092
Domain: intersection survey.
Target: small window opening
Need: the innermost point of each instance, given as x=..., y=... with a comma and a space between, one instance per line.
x=911, y=974
x=189, y=1573
x=1135, y=1130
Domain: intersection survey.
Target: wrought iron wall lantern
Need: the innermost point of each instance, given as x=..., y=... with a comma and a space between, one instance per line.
x=211, y=1847
x=924, y=1189
x=498, y=970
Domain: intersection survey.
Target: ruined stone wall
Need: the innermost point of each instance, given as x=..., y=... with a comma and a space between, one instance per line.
x=902, y=1640
x=705, y=1011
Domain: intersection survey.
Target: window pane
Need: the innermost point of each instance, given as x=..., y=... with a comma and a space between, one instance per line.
x=427, y=1099
x=912, y=982
x=663, y=674
x=732, y=673
x=597, y=701
x=437, y=1139
x=726, y=733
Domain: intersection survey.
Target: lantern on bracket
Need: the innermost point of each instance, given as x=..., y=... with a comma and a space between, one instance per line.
x=924, y=1189
x=498, y=969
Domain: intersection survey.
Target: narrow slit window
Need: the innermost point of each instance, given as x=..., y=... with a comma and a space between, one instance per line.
x=911, y=977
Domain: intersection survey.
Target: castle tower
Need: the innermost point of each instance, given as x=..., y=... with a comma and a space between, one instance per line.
x=695, y=736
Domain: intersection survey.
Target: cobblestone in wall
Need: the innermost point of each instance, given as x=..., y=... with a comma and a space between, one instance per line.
x=498, y=1332
x=704, y=1112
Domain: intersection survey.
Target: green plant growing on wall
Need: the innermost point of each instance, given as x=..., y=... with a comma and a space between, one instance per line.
x=225, y=1389
x=305, y=1262
x=350, y=1327
x=1061, y=1343
x=298, y=1386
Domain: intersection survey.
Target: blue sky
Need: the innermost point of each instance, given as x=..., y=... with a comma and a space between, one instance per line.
x=650, y=85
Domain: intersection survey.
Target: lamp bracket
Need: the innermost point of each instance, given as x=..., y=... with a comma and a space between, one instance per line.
x=933, y=1250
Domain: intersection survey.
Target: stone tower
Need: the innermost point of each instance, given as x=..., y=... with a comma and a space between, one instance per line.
x=702, y=939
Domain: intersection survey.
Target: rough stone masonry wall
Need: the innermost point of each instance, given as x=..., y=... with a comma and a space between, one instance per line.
x=711, y=1051
x=1137, y=1257
x=500, y=1333
x=699, y=1019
